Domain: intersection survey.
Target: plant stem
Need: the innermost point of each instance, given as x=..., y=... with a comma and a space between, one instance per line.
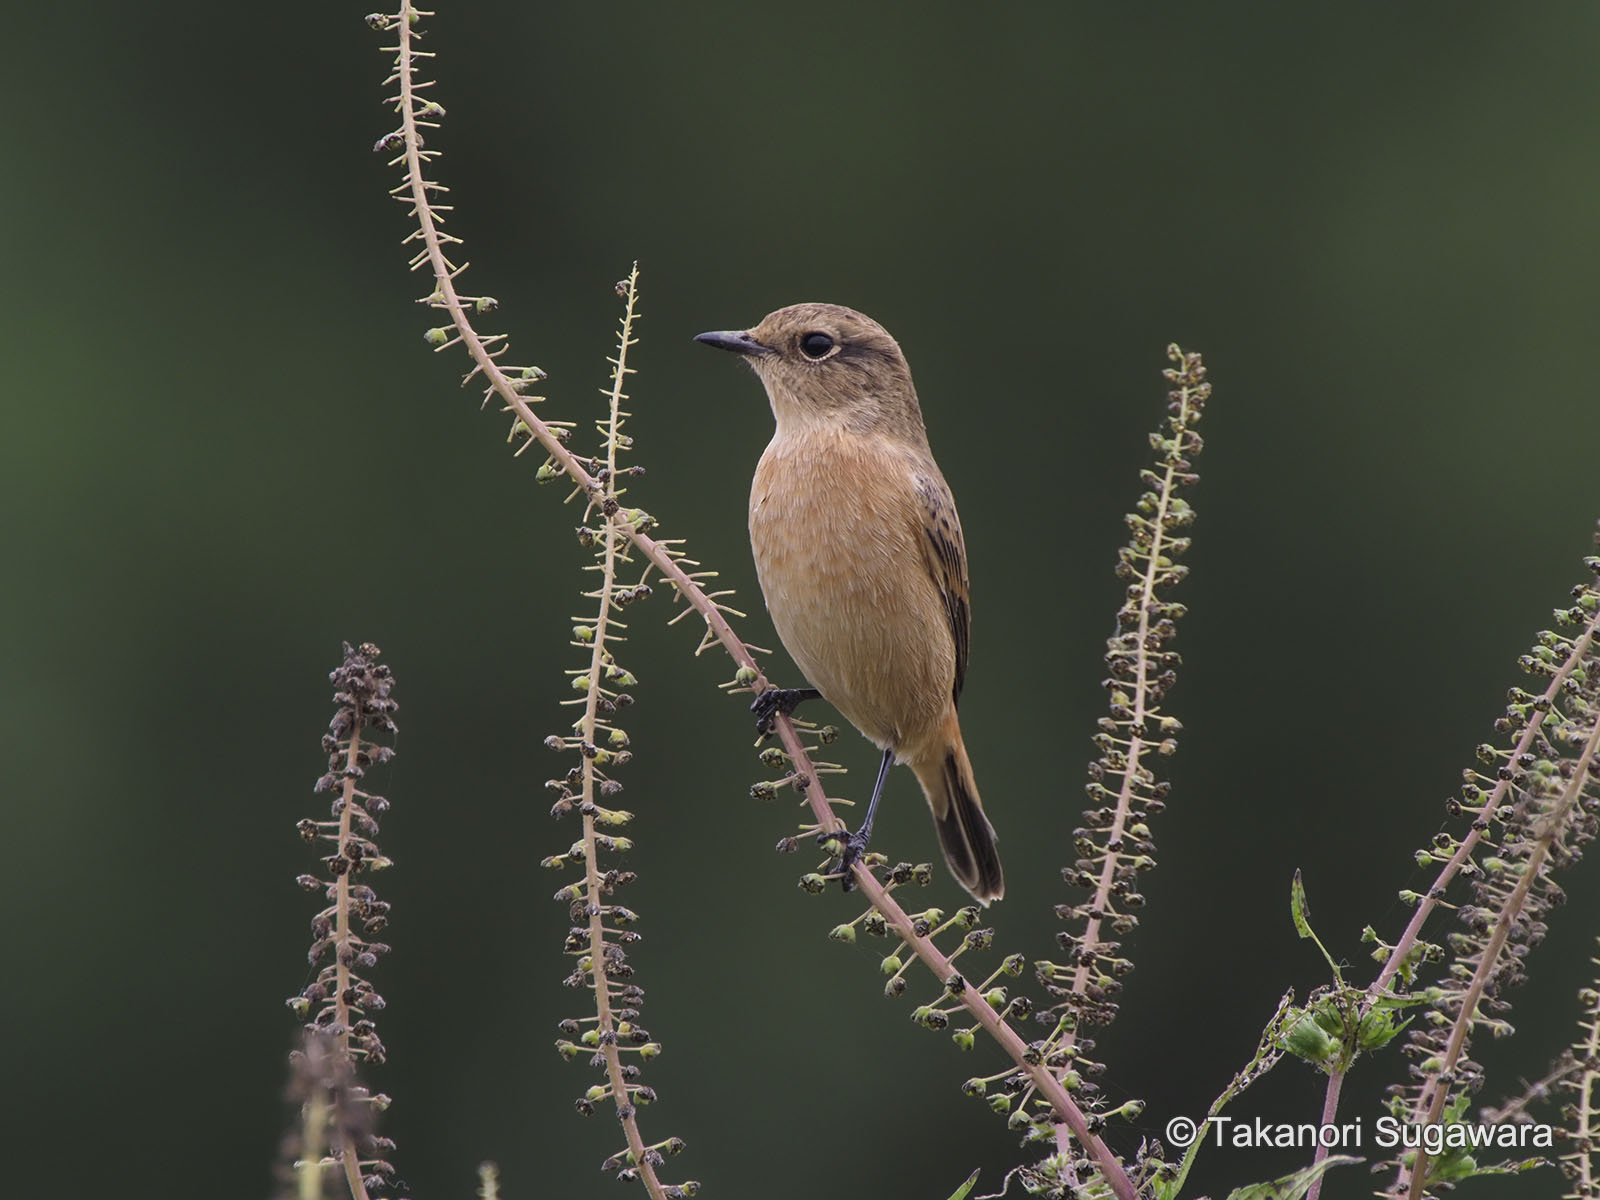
x=1101, y=902
x=1430, y=1103
x=1330, y=1113
x=595, y=900
x=342, y=938
x=1426, y=906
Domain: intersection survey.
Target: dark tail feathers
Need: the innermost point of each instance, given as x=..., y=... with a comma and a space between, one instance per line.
x=967, y=838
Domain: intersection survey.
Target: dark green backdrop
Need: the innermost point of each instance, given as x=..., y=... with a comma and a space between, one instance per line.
x=226, y=448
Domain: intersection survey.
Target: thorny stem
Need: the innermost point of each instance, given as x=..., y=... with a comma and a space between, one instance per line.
x=1431, y=1101
x=1564, y=1068
x=349, y=1155
x=1584, y=1120
x=591, y=865
x=1042, y=1078
x=1101, y=902
x=1413, y=930
x=484, y=361
x=1446, y=873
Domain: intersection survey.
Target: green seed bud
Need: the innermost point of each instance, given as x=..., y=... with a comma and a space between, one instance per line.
x=1309, y=1041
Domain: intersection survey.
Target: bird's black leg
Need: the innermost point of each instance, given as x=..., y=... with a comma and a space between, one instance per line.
x=855, y=844
x=773, y=701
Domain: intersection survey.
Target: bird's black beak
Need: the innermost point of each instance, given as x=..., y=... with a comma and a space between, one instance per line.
x=736, y=340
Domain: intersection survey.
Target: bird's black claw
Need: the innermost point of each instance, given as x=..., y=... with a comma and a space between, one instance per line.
x=854, y=848
x=774, y=701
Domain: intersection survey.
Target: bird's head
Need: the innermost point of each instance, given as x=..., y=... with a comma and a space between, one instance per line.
x=824, y=364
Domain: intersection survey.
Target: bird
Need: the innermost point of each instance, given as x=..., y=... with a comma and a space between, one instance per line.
x=862, y=563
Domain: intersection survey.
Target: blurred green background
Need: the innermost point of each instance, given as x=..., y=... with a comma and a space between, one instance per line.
x=226, y=449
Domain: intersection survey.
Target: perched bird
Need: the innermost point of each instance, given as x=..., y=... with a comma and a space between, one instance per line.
x=860, y=556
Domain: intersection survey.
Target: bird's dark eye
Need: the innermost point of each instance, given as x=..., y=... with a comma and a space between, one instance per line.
x=815, y=345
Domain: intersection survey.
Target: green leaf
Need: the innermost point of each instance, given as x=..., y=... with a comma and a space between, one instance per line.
x=1456, y=1164
x=1297, y=907
x=961, y=1192
x=1507, y=1168
x=1404, y=1001
x=1292, y=1187
x=1302, y=923
x=1378, y=1028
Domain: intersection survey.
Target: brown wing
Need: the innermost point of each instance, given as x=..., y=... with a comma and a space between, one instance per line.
x=946, y=555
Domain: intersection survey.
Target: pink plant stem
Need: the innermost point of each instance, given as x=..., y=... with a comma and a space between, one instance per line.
x=1430, y=1104
x=1413, y=930
x=1330, y=1113
x=1496, y=797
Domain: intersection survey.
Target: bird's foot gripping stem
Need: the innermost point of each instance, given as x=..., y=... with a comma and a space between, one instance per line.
x=847, y=849
x=770, y=703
